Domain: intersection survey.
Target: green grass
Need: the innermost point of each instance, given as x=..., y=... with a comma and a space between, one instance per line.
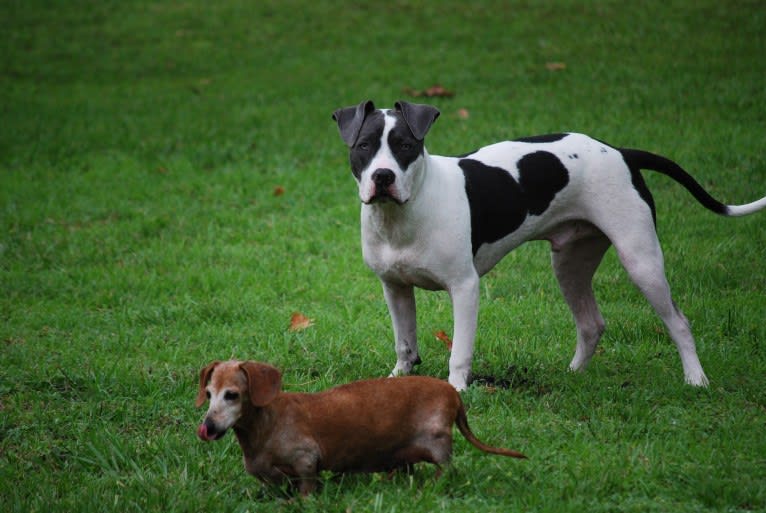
x=141, y=144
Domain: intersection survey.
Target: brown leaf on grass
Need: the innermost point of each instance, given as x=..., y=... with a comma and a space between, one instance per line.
x=279, y=190
x=555, y=66
x=435, y=91
x=444, y=338
x=299, y=322
x=463, y=113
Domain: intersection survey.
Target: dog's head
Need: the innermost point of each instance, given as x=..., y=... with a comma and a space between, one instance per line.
x=232, y=388
x=385, y=147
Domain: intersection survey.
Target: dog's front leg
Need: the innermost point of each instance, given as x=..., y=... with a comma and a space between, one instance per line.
x=465, y=311
x=401, y=305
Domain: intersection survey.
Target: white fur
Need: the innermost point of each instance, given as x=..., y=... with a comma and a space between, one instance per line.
x=424, y=240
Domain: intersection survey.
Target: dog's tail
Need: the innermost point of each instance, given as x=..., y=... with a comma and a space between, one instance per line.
x=462, y=425
x=639, y=159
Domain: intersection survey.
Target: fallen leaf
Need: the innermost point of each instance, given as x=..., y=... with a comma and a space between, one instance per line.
x=444, y=338
x=299, y=322
x=279, y=190
x=463, y=113
x=436, y=90
x=555, y=66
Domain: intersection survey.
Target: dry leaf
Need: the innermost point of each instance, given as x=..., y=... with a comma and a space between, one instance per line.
x=444, y=338
x=463, y=113
x=555, y=66
x=436, y=90
x=279, y=190
x=299, y=322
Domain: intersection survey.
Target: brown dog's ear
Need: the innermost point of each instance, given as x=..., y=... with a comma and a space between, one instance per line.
x=204, y=377
x=264, y=382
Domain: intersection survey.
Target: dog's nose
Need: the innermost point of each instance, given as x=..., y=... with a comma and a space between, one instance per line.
x=383, y=177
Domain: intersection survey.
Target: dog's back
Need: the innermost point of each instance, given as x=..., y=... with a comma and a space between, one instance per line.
x=383, y=424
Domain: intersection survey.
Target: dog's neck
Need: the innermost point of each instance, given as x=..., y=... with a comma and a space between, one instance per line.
x=253, y=430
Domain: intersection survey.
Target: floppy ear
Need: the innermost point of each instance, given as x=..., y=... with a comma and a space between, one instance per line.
x=350, y=120
x=264, y=382
x=204, y=377
x=418, y=116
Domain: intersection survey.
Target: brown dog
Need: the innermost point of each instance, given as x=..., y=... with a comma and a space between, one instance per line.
x=366, y=426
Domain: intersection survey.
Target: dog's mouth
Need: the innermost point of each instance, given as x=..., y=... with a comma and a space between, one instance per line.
x=209, y=433
x=383, y=196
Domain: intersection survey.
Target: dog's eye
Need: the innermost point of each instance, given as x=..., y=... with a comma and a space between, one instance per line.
x=406, y=146
x=363, y=146
x=207, y=393
x=231, y=396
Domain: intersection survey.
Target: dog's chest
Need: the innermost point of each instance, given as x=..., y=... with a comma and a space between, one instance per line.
x=405, y=265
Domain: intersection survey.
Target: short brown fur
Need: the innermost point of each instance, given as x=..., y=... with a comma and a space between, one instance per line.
x=365, y=426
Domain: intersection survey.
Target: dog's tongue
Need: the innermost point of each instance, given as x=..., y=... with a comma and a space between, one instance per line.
x=202, y=433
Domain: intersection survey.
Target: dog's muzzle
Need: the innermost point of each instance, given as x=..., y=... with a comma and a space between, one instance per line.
x=383, y=178
x=208, y=432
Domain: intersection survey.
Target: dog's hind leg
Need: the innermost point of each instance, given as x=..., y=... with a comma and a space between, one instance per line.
x=574, y=264
x=640, y=253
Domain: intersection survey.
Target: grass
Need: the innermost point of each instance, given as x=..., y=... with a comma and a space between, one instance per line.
x=143, y=149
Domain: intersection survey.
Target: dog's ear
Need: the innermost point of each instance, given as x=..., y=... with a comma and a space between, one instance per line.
x=350, y=120
x=418, y=116
x=264, y=382
x=204, y=377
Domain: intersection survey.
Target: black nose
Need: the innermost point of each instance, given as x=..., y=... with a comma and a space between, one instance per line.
x=383, y=177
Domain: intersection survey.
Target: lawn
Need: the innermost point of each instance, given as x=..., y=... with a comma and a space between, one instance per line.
x=173, y=189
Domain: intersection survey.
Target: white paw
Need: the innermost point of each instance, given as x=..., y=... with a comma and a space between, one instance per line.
x=460, y=382
x=697, y=379
x=401, y=369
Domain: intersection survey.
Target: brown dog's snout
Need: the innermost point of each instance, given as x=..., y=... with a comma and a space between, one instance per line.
x=208, y=431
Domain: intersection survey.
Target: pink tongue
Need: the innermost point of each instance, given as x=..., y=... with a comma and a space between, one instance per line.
x=202, y=432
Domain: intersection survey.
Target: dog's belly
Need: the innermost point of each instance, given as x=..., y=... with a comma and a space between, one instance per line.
x=559, y=235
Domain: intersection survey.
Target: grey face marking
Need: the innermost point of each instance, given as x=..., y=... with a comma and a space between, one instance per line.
x=404, y=146
x=367, y=144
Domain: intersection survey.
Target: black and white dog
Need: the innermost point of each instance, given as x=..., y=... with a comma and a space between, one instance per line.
x=440, y=223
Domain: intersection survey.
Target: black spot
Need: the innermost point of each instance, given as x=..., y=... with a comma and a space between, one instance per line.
x=547, y=138
x=368, y=143
x=499, y=204
x=495, y=199
x=404, y=146
x=542, y=175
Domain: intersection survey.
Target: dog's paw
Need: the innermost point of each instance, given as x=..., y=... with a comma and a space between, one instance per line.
x=697, y=379
x=459, y=382
x=404, y=367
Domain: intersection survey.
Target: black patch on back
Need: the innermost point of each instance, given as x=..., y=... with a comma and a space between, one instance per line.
x=495, y=199
x=547, y=138
x=542, y=175
x=404, y=146
x=368, y=143
x=499, y=204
